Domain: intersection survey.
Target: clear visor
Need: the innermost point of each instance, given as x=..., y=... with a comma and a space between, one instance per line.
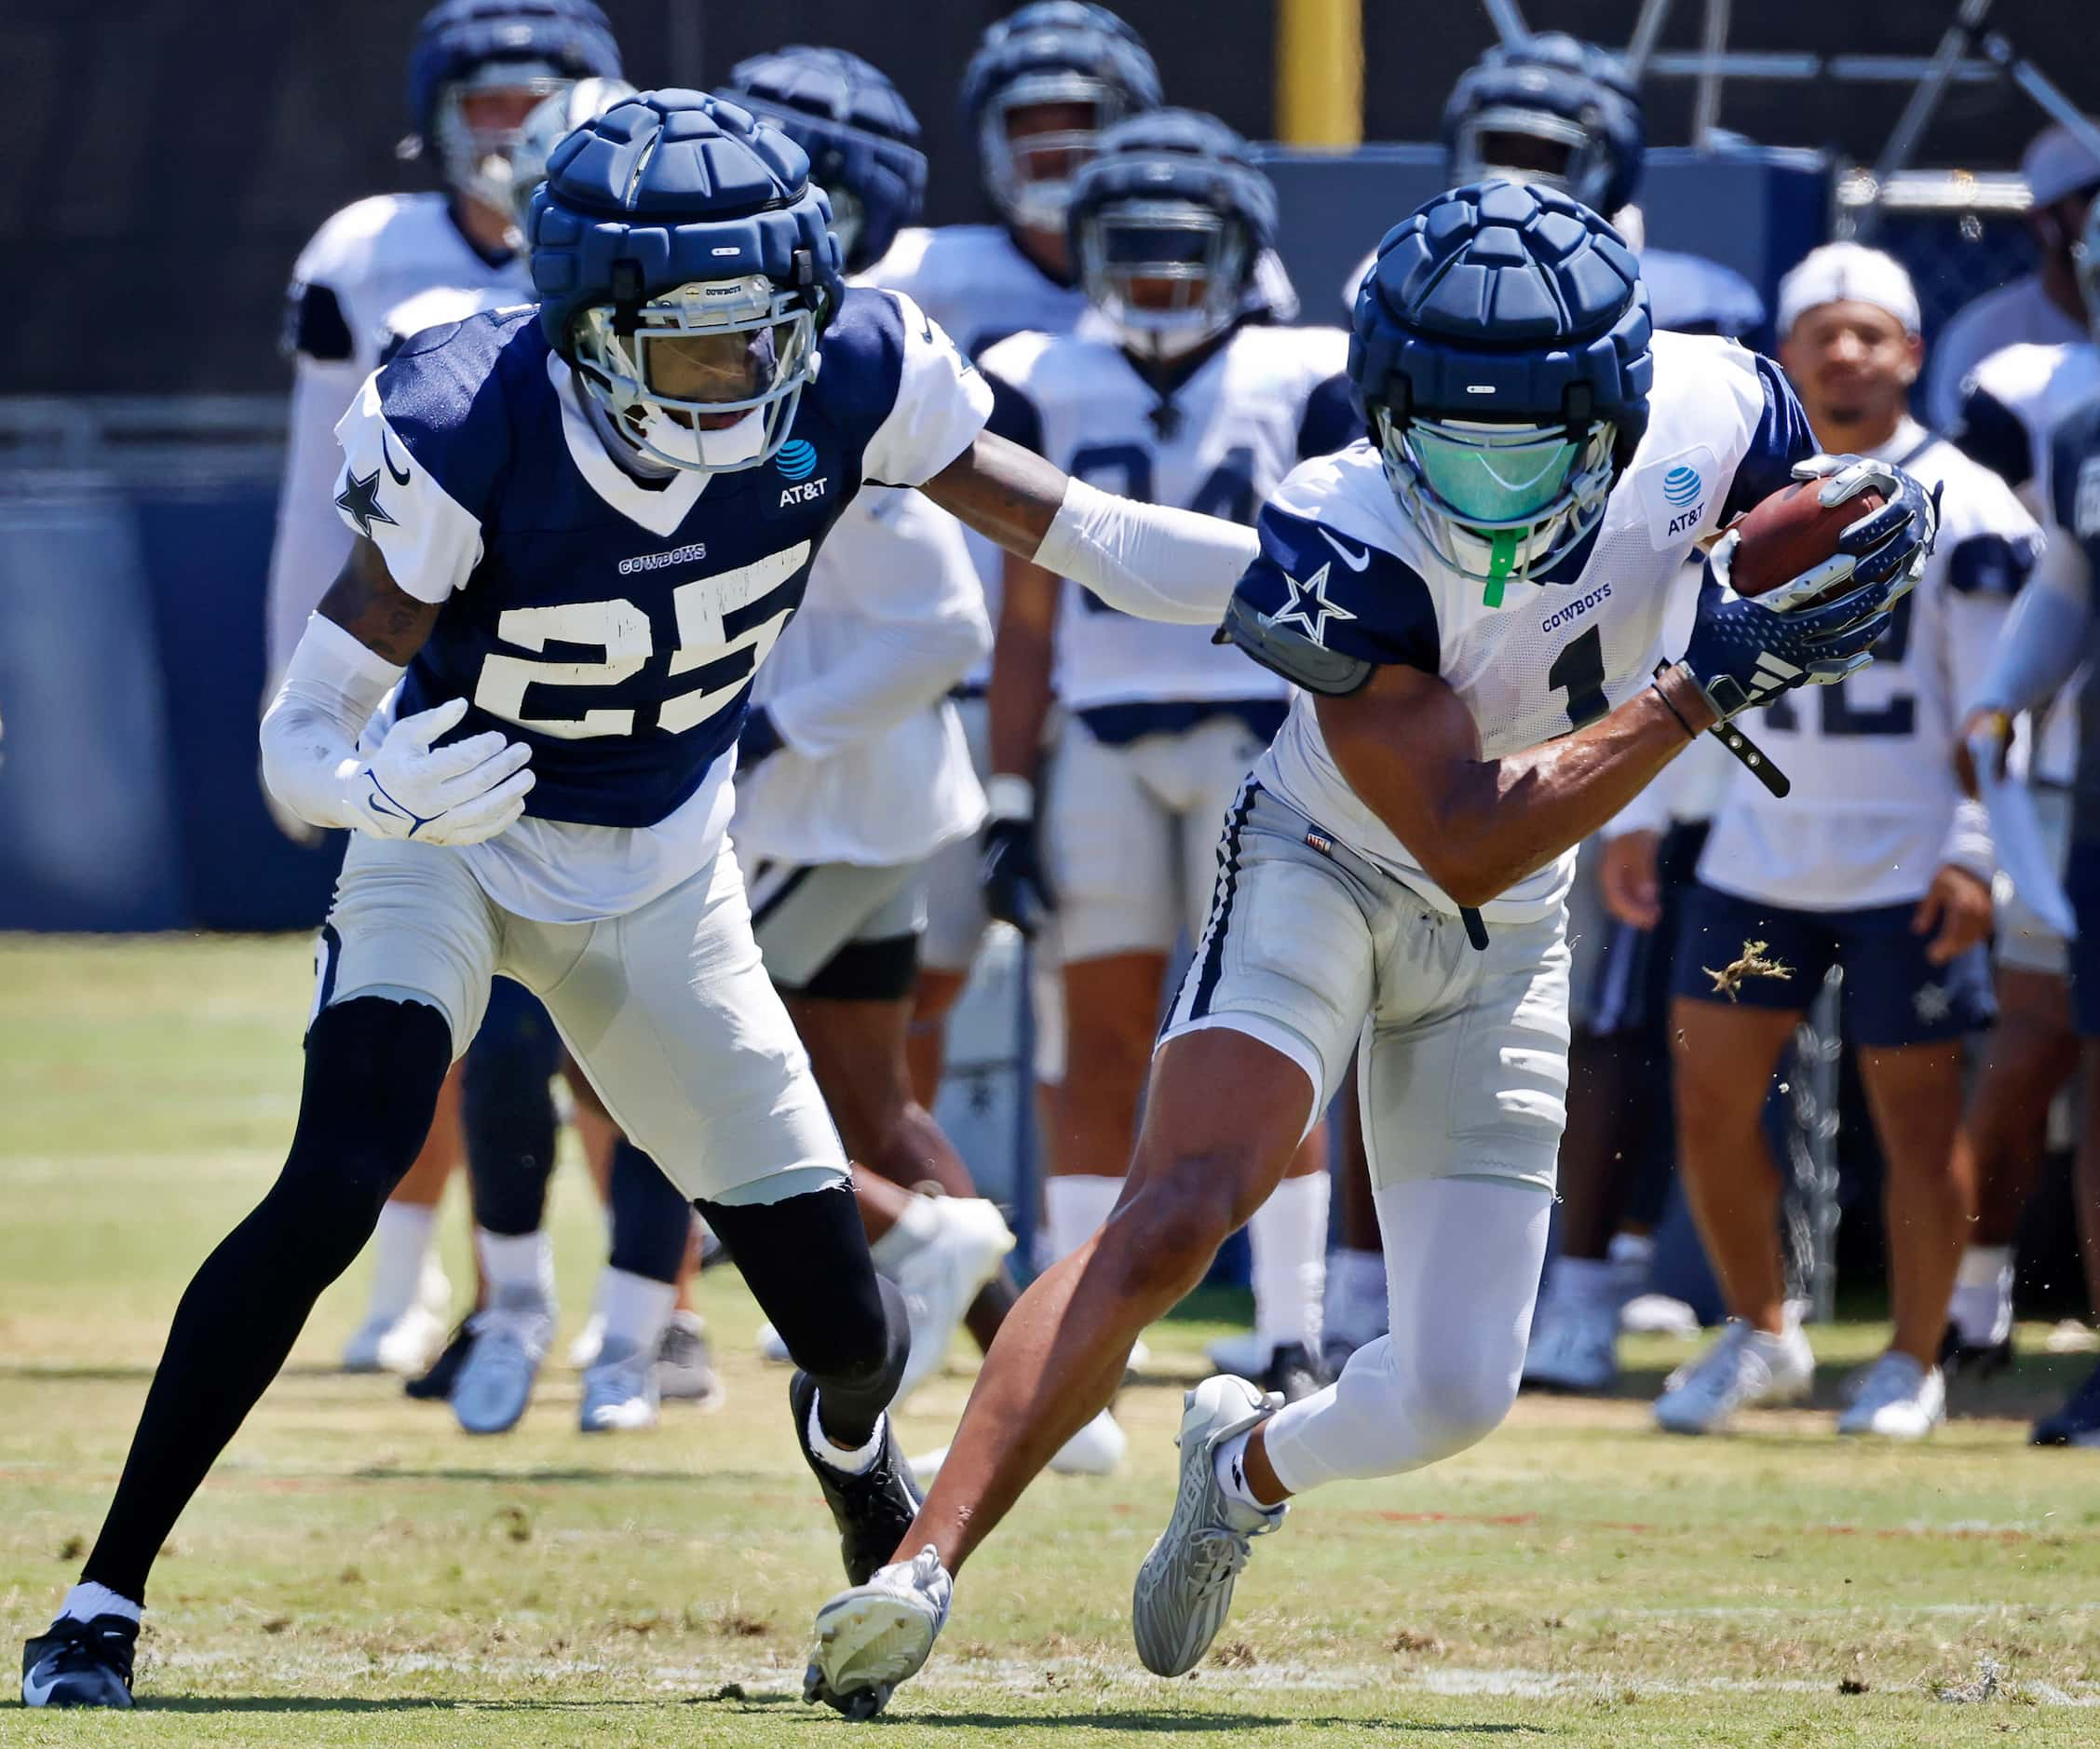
x=1036, y=133
x=703, y=356
x=1526, y=145
x=1492, y=476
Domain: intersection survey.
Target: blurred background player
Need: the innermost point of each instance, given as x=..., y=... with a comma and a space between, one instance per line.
x=2011, y=404
x=1170, y=395
x=852, y=766
x=2051, y=636
x=476, y=69
x=1044, y=82
x=2042, y=306
x=1874, y=864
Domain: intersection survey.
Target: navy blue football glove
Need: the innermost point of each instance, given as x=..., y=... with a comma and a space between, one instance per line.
x=758, y=741
x=1886, y=545
x=1744, y=654
x=1016, y=891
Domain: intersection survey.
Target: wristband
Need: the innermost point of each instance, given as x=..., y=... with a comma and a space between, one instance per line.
x=1690, y=733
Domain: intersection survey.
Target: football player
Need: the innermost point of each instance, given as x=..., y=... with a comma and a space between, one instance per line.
x=1876, y=863
x=1471, y=604
x=2050, y=635
x=1170, y=394
x=476, y=70
x=581, y=529
x=1044, y=82
x=2010, y=405
x=2044, y=307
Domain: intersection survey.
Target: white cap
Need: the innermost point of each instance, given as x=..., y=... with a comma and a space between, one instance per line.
x=2058, y=163
x=1847, y=272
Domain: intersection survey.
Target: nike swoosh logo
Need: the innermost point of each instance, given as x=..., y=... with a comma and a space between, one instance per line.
x=401, y=477
x=34, y=1693
x=1355, y=560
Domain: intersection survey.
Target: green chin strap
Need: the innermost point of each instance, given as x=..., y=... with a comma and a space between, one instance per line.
x=1501, y=560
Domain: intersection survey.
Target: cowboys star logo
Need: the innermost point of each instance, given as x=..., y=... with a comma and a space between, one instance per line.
x=359, y=500
x=1308, y=605
x=1932, y=1003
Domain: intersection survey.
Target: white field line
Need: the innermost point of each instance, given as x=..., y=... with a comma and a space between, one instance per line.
x=1083, y=1678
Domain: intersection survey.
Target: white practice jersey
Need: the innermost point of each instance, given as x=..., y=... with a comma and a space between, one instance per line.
x=348, y=283
x=1263, y=401
x=1342, y=564
x=1875, y=810
x=874, y=768
x=2015, y=314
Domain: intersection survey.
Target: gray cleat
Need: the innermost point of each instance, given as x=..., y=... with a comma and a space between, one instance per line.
x=1183, y=1589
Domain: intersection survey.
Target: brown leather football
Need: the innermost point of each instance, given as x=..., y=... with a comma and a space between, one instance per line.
x=1792, y=532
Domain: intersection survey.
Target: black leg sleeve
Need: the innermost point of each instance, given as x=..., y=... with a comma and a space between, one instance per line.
x=652, y=1220
x=373, y=1068
x=507, y=1110
x=805, y=1261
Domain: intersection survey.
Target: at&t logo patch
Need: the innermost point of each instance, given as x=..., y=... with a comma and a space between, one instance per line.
x=1681, y=486
x=798, y=459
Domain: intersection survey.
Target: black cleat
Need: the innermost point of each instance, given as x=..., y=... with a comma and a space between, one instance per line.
x=80, y=1664
x=1973, y=1362
x=872, y=1509
x=1293, y=1372
x=435, y=1386
x=2077, y=1422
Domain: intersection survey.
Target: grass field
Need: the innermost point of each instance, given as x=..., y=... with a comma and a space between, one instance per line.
x=358, y=1572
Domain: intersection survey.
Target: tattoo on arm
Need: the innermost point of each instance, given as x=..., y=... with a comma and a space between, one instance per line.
x=1007, y=493
x=366, y=602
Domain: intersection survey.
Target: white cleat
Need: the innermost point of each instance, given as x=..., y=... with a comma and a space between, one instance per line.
x=1659, y=1315
x=1746, y=1366
x=408, y=1341
x=496, y=1379
x=1574, y=1348
x=942, y=1276
x=1183, y=1589
x=771, y=1350
x=588, y=1340
x=1898, y=1399
x=874, y=1637
x=619, y=1389
x=1095, y=1450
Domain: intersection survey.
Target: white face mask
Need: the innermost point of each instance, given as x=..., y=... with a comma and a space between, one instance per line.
x=703, y=451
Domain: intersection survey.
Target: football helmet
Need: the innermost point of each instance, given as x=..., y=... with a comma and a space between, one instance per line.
x=2085, y=262
x=1499, y=352
x=1167, y=221
x=552, y=121
x=1547, y=110
x=467, y=50
x=1051, y=53
x=685, y=266
x=861, y=137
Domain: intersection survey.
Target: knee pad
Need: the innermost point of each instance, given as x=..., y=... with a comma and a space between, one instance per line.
x=805, y=1261
x=373, y=1068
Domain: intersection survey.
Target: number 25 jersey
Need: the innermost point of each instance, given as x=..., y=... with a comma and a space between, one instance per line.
x=612, y=623
x=1341, y=563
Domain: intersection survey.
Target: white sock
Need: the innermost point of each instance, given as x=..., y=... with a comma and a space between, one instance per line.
x=399, y=1243
x=634, y=1309
x=87, y=1600
x=1631, y=1256
x=524, y=1263
x=1289, y=1237
x=1228, y=1465
x=1981, y=1308
x=910, y=1233
x=846, y=1462
x=1356, y=1295
x=1077, y=1204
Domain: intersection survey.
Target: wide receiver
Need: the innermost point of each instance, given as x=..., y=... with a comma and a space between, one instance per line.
x=581, y=531
x=1472, y=603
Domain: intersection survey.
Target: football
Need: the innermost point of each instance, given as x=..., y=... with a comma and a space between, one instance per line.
x=1792, y=532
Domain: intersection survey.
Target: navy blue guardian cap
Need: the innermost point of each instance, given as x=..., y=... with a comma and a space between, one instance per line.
x=1549, y=110
x=686, y=267
x=1499, y=353
x=861, y=136
x=1051, y=56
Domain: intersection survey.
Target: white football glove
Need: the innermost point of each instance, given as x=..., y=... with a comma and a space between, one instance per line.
x=459, y=794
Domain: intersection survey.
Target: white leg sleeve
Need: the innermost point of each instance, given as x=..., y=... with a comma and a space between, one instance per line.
x=1289, y=1236
x=1462, y=1258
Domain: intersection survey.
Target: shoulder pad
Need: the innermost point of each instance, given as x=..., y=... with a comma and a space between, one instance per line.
x=1286, y=651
